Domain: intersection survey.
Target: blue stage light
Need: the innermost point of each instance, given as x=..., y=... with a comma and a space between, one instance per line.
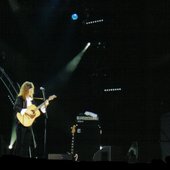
x=74, y=16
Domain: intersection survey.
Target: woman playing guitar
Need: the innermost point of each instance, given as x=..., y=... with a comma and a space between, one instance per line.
x=26, y=112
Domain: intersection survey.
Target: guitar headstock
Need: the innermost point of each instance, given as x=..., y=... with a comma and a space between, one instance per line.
x=52, y=97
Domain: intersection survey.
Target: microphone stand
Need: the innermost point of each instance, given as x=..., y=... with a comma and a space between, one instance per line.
x=45, y=124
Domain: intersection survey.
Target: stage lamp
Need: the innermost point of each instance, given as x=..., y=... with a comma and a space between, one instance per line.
x=74, y=16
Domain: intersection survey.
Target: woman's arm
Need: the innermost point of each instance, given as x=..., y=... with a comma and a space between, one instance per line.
x=18, y=106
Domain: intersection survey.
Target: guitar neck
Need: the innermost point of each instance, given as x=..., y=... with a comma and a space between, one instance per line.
x=72, y=145
x=41, y=105
x=50, y=98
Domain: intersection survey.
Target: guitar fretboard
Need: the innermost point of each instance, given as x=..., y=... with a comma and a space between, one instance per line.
x=72, y=145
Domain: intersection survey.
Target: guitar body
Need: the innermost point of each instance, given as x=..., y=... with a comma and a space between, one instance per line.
x=27, y=120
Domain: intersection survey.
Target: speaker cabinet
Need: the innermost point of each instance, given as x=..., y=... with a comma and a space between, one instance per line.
x=110, y=153
x=103, y=154
x=87, y=140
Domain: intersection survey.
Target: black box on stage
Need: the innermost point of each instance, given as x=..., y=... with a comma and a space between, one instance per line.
x=103, y=154
x=87, y=139
x=110, y=153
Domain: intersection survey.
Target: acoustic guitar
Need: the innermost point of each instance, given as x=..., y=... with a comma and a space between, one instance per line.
x=27, y=120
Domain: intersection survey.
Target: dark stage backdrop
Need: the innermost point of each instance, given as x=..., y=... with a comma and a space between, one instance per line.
x=129, y=50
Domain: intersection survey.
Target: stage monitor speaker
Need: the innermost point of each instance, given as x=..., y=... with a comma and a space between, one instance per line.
x=103, y=154
x=54, y=156
x=110, y=153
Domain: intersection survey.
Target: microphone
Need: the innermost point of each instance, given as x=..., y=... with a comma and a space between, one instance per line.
x=42, y=88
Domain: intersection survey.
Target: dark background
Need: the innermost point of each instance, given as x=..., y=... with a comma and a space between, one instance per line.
x=129, y=50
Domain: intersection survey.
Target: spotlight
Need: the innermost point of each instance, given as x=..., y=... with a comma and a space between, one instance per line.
x=74, y=16
x=10, y=147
